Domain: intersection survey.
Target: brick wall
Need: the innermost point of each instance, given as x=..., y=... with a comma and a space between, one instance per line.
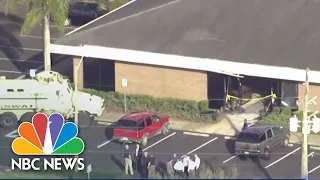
x=161, y=82
x=314, y=90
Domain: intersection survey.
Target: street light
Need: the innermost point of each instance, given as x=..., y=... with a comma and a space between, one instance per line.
x=76, y=93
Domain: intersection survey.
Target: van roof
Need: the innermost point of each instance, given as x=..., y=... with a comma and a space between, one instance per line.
x=258, y=129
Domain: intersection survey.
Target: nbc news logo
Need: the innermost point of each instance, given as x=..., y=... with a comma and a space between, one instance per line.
x=47, y=136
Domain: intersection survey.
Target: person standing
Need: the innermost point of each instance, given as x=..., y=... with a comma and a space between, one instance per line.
x=151, y=167
x=128, y=161
x=144, y=165
x=197, y=163
x=245, y=124
x=191, y=168
x=169, y=168
x=137, y=157
x=179, y=168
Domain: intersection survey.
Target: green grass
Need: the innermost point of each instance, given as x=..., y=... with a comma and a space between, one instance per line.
x=58, y=175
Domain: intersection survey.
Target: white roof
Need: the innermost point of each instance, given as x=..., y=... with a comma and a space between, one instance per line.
x=184, y=62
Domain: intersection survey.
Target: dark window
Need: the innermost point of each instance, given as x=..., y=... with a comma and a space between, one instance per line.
x=248, y=138
x=155, y=118
x=269, y=133
x=9, y=90
x=140, y=125
x=20, y=90
x=127, y=124
x=276, y=130
x=148, y=120
x=263, y=137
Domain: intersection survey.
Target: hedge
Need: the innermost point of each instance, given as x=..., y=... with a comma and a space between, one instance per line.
x=280, y=116
x=184, y=109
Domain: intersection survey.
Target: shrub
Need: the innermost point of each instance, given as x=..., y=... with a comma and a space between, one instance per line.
x=205, y=173
x=184, y=109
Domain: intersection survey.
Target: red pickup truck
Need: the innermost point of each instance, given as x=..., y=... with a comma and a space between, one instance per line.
x=140, y=126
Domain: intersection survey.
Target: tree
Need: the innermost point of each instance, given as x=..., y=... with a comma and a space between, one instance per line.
x=42, y=10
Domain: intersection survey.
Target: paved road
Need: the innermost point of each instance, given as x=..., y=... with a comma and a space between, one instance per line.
x=19, y=53
x=214, y=150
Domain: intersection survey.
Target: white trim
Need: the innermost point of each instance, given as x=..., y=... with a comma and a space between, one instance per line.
x=185, y=62
x=77, y=29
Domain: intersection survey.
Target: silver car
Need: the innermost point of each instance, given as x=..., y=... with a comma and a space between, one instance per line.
x=261, y=140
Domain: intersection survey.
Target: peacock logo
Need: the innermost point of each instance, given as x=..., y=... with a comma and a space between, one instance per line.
x=48, y=136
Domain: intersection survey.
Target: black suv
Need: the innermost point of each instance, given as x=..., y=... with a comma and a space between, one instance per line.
x=83, y=12
x=261, y=140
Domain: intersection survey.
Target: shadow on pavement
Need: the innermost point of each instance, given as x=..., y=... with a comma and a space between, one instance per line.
x=108, y=131
x=256, y=161
x=9, y=40
x=230, y=145
x=117, y=162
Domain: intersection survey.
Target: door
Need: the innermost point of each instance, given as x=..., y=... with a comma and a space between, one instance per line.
x=148, y=126
x=270, y=139
x=278, y=138
x=156, y=123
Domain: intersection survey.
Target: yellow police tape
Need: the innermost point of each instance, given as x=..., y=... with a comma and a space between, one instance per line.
x=229, y=97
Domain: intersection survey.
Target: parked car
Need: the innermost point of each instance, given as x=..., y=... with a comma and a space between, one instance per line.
x=261, y=140
x=83, y=12
x=140, y=126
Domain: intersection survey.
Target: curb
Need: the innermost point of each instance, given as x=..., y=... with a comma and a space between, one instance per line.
x=196, y=134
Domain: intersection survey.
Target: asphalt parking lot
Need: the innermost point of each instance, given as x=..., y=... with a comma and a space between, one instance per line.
x=215, y=151
x=19, y=53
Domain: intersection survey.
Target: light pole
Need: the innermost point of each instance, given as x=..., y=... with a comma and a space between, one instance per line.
x=75, y=100
x=305, y=126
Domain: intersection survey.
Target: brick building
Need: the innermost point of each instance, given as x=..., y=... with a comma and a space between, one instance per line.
x=269, y=42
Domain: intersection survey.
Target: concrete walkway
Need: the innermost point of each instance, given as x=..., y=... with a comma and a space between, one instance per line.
x=228, y=126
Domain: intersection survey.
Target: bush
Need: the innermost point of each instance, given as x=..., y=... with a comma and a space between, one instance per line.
x=184, y=109
x=205, y=173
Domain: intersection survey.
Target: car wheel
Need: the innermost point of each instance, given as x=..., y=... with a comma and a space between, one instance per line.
x=26, y=117
x=144, y=140
x=8, y=120
x=67, y=22
x=285, y=142
x=266, y=154
x=85, y=119
x=165, y=129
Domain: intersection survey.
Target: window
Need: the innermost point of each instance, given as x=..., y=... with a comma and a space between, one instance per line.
x=127, y=124
x=20, y=90
x=155, y=118
x=148, y=120
x=248, y=138
x=140, y=125
x=263, y=137
x=269, y=133
x=10, y=90
x=276, y=130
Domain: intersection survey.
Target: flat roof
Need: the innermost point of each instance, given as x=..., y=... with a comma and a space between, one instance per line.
x=275, y=33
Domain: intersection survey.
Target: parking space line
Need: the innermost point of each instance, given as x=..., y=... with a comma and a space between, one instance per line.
x=283, y=157
x=314, y=169
x=229, y=159
x=105, y=143
x=229, y=137
x=159, y=141
x=196, y=134
x=202, y=145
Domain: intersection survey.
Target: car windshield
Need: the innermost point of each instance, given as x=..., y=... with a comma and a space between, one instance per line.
x=126, y=124
x=248, y=138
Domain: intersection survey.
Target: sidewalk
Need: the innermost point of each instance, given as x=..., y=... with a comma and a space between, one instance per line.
x=228, y=126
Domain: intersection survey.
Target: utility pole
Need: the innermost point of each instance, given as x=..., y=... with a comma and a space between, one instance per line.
x=305, y=126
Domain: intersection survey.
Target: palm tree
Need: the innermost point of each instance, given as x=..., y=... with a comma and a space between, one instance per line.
x=42, y=10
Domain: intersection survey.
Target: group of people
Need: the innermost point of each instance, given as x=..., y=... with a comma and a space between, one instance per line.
x=142, y=161
x=183, y=166
x=145, y=164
